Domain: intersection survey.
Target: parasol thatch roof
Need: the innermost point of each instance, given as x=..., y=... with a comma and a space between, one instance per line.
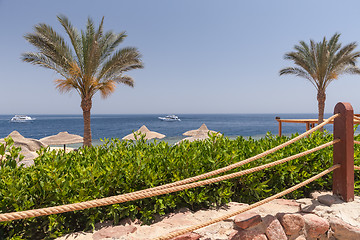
x=203, y=130
x=62, y=138
x=144, y=130
x=199, y=137
x=21, y=141
x=28, y=157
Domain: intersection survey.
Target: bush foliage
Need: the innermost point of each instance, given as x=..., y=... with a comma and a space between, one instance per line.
x=118, y=167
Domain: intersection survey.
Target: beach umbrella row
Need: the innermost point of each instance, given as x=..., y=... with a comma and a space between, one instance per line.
x=197, y=134
x=29, y=146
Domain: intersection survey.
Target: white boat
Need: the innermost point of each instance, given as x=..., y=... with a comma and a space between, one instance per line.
x=21, y=118
x=170, y=118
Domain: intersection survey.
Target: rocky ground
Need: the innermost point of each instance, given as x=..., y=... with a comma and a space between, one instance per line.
x=323, y=216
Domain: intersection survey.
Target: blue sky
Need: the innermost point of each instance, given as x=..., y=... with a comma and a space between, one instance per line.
x=200, y=56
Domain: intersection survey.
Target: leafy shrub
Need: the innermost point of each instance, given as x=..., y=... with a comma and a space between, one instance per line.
x=118, y=167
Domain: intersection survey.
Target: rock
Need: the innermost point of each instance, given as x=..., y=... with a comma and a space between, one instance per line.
x=114, y=232
x=301, y=237
x=342, y=230
x=187, y=236
x=178, y=219
x=308, y=205
x=314, y=195
x=104, y=224
x=247, y=235
x=287, y=202
x=220, y=229
x=292, y=223
x=274, y=230
x=328, y=199
x=315, y=226
x=247, y=219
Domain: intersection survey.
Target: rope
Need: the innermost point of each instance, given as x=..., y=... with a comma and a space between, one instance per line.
x=357, y=118
x=143, y=194
x=238, y=164
x=357, y=142
x=356, y=167
x=224, y=217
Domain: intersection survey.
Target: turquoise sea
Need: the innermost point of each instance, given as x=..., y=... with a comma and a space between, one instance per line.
x=118, y=126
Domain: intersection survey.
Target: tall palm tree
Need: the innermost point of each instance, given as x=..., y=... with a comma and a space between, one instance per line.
x=321, y=63
x=90, y=64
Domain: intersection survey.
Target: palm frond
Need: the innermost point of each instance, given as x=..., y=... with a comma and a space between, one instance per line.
x=299, y=73
x=110, y=42
x=125, y=79
x=43, y=61
x=122, y=61
x=74, y=36
x=322, y=62
x=51, y=44
x=106, y=88
x=65, y=85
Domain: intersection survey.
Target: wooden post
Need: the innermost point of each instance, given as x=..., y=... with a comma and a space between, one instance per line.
x=343, y=177
x=280, y=127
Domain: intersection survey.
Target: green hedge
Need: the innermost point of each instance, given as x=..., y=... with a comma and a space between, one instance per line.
x=118, y=167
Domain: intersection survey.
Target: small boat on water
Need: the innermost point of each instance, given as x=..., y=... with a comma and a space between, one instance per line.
x=21, y=118
x=170, y=118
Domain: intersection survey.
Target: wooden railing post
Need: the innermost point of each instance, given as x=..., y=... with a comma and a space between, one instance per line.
x=343, y=177
x=280, y=126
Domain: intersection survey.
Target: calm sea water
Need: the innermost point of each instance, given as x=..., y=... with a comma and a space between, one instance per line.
x=118, y=126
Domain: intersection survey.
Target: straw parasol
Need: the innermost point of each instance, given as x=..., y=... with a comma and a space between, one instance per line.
x=144, y=130
x=28, y=157
x=62, y=138
x=203, y=130
x=20, y=141
x=198, y=137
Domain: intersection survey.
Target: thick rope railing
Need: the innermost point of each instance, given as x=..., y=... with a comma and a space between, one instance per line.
x=140, y=195
x=224, y=217
x=356, y=142
x=357, y=118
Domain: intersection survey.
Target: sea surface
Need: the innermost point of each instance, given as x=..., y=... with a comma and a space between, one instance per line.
x=118, y=126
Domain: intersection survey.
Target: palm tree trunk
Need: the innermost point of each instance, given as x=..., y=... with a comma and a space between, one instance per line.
x=321, y=97
x=86, y=104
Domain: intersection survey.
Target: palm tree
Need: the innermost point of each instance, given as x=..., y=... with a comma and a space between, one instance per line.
x=92, y=64
x=321, y=63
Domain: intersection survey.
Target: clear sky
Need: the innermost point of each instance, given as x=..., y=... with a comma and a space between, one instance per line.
x=200, y=56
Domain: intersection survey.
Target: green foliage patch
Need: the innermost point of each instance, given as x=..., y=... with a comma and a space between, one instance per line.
x=118, y=167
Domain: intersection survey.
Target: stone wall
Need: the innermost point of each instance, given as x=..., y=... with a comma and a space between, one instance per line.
x=323, y=216
x=285, y=226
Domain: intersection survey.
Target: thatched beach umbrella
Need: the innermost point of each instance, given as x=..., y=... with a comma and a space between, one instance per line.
x=198, y=137
x=203, y=130
x=144, y=130
x=28, y=157
x=62, y=138
x=20, y=141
